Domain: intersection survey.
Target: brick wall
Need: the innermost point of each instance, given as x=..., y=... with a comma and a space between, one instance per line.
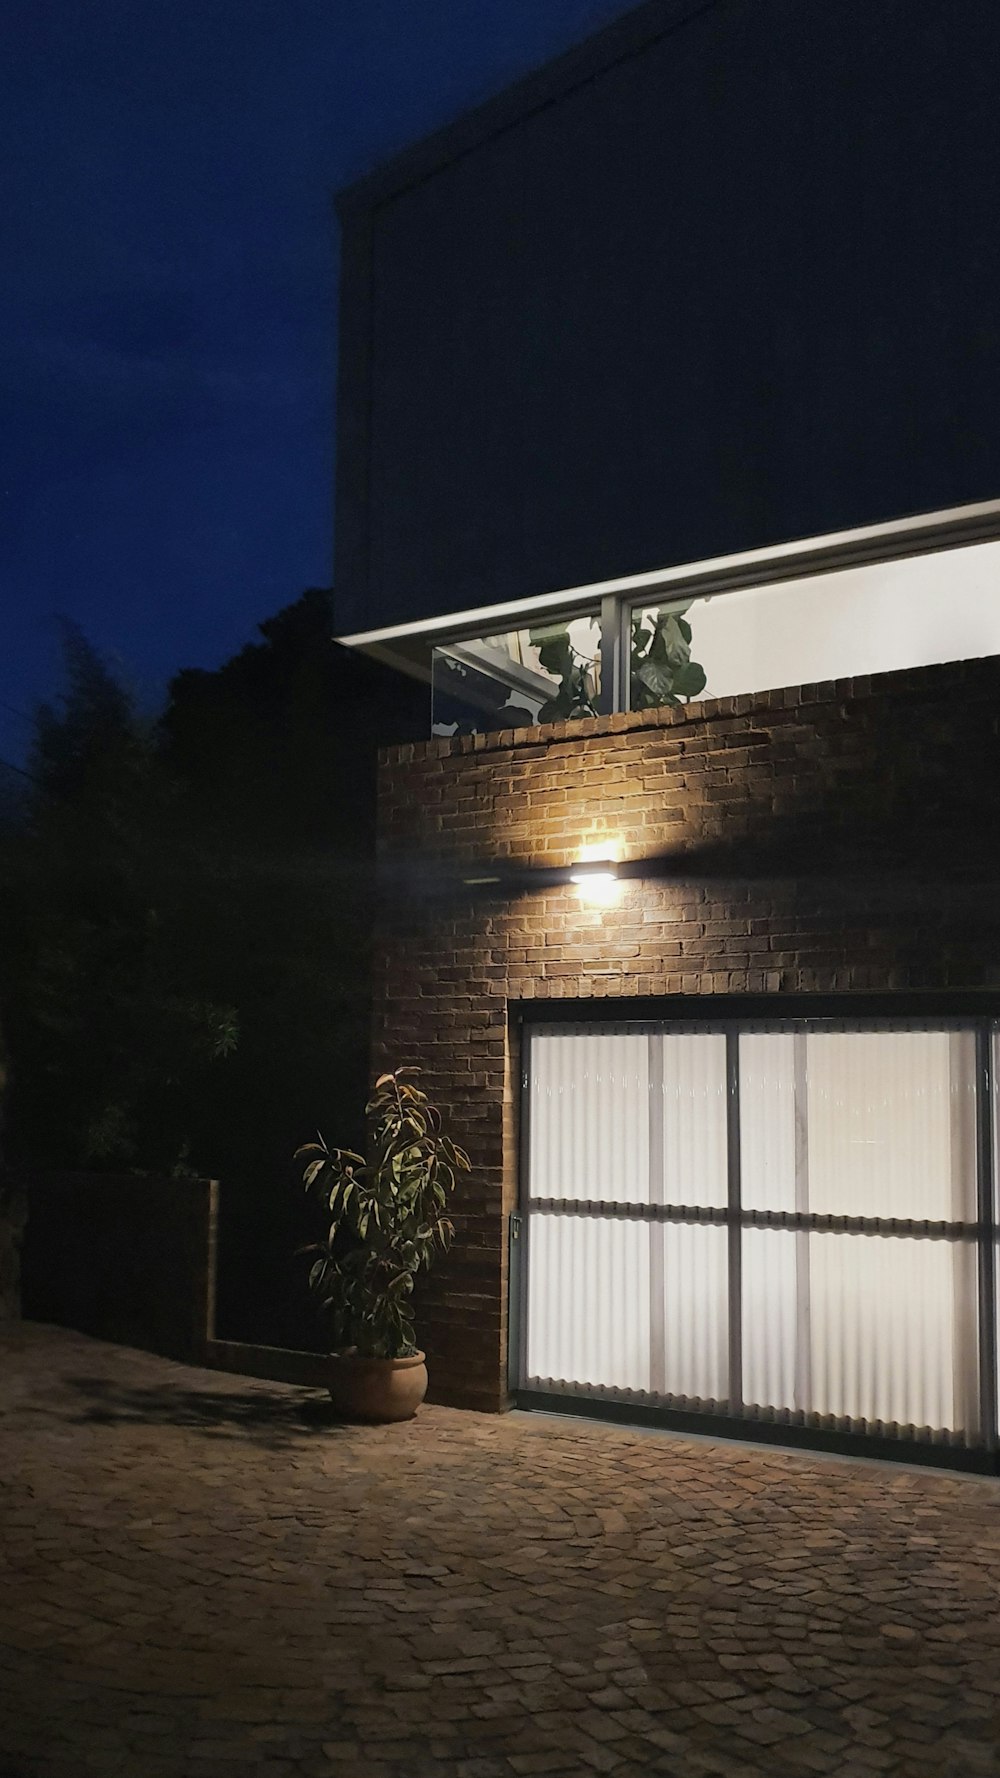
x=825, y=839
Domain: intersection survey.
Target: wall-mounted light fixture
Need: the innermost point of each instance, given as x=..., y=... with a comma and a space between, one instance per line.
x=596, y=875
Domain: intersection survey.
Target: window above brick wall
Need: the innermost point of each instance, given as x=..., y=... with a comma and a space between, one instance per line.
x=914, y=593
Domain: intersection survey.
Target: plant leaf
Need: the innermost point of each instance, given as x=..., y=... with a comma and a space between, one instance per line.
x=689, y=680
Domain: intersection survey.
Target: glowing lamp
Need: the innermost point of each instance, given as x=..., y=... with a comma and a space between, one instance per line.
x=596, y=877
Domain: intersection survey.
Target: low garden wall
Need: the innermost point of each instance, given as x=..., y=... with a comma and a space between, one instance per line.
x=126, y=1258
x=12, y=1215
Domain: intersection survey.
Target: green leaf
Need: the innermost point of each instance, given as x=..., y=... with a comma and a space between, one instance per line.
x=690, y=680
x=658, y=679
x=669, y=644
x=309, y=1148
x=556, y=656
x=391, y=1205
x=558, y=708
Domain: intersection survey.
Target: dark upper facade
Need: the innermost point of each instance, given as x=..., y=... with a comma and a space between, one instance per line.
x=724, y=275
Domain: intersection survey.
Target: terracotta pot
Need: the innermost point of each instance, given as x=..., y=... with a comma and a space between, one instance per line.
x=379, y=1389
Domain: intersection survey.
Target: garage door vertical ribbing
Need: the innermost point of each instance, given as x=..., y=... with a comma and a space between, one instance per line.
x=791, y=1222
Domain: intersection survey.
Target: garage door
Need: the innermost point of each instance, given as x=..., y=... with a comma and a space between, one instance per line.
x=789, y=1222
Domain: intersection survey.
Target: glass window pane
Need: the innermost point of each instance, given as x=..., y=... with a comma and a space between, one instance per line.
x=629, y=1305
x=588, y=1132
x=767, y=1118
x=774, y=1345
x=881, y=617
x=861, y=1327
x=859, y=1123
x=664, y=667
x=893, y=1330
x=891, y=1124
x=690, y=1275
x=588, y=1301
x=630, y=1117
x=688, y=1149
x=548, y=673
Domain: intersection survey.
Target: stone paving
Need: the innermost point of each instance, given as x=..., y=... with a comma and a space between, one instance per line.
x=201, y=1574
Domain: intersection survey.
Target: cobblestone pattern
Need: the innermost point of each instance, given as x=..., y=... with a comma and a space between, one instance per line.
x=205, y=1575
x=834, y=838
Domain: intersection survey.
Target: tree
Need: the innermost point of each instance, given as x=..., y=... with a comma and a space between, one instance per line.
x=110, y=1029
x=274, y=756
x=187, y=909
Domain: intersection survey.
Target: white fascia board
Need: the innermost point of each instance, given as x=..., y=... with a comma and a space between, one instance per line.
x=945, y=529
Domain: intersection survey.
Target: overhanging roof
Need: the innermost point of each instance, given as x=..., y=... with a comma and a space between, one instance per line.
x=408, y=645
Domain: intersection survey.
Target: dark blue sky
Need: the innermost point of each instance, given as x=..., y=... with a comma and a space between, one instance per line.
x=168, y=304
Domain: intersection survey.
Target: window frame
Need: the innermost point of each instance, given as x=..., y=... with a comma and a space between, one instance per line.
x=734, y=1016
x=409, y=646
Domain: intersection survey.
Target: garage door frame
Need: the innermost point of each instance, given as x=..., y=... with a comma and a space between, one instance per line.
x=730, y=1015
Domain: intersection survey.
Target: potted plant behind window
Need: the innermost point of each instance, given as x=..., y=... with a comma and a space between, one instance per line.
x=387, y=1222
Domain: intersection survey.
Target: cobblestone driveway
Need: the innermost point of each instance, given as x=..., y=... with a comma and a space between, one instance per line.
x=202, y=1574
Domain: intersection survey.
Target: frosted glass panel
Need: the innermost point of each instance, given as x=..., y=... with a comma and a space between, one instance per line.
x=887, y=1343
x=861, y=1327
x=859, y=1123
x=891, y=1124
x=767, y=1118
x=690, y=1071
x=695, y=1311
x=772, y=1353
x=588, y=1301
x=589, y=1124
x=856, y=1327
x=628, y=1116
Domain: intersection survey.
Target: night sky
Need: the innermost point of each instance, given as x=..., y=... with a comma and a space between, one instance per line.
x=168, y=303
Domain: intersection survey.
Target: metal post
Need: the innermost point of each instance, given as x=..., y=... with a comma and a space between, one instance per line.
x=734, y=1212
x=612, y=696
x=803, y=1316
x=657, y=1230
x=986, y=1216
x=517, y=1247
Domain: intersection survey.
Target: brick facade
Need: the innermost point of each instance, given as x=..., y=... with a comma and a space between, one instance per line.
x=839, y=838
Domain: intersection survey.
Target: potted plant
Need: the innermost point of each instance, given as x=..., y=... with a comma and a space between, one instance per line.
x=387, y=1222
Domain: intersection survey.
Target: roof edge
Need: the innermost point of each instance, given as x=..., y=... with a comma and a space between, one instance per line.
x=919, y=533
x=584, y=61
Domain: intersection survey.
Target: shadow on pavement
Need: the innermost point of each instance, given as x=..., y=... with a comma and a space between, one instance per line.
x=267, y=1417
